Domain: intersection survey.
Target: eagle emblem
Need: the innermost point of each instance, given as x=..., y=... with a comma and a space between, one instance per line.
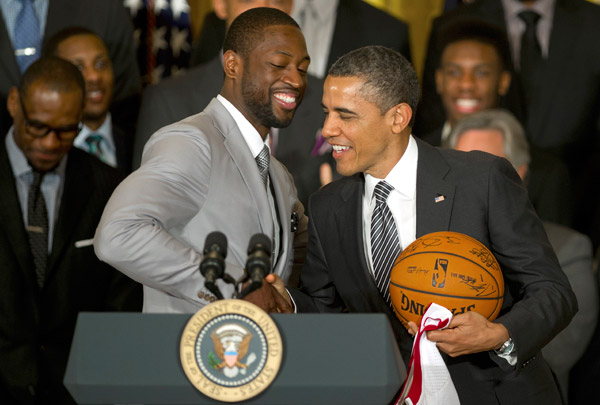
x=231, y=343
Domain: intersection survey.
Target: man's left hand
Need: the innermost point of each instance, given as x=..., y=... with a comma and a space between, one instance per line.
x=469, y=333
x=269, y=298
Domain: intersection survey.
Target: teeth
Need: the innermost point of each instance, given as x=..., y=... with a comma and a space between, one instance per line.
x=285, y=98
x=340, y=148
x=467, y=102
x=94, y=93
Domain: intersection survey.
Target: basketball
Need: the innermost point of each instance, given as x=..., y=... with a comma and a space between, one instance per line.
x=450, y=269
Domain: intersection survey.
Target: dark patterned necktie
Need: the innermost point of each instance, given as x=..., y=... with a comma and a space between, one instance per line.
x=27, y=36
x=531, y=52
x=385, y=243
x=262, y=160
x=37, y=226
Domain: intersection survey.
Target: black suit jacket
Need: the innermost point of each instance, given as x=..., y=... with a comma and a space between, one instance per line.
x=484, y=198
x=123, y=148
x=36, y=326
x=110, y=20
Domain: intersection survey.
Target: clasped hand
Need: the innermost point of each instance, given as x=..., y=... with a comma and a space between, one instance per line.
x=467, y=333
x=272, y=296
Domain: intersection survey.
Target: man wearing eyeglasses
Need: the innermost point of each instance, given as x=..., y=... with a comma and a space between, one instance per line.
x=52, y=197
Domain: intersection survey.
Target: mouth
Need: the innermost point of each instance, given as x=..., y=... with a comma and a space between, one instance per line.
x=287, y=100
x=467, y=105
x=339, y=150
x=95, y=95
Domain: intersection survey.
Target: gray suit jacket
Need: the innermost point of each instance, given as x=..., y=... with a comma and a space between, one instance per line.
x=197, y=176
x=574, y=252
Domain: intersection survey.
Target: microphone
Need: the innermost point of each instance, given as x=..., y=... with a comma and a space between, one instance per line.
x=212, y=266
x=258, y=264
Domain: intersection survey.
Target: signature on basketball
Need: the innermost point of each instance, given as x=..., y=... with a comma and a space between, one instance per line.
x=483, y=289
x=431, y=242
x=486, y=258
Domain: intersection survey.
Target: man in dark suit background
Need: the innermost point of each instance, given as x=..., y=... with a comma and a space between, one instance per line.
x=52, y=199
x=561, y=113
x=100, y=136
x=108, y=18
x=369, y=98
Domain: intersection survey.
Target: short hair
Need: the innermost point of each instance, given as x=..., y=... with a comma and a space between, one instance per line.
x=247, y=30
x=472, y=29
x=56, y=74
x=51, y=45
x=389, y=77
x=516, y=147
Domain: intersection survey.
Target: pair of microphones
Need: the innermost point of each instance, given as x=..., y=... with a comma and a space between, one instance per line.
x=212, y=266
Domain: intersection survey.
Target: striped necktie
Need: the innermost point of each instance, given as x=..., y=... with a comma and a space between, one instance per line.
x=262, y=160
x=385, y=243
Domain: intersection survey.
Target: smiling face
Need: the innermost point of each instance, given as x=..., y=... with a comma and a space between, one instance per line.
x=44, y=107
x=89, y=54
x=271, y=81
x=470, y=78
x=363, y=139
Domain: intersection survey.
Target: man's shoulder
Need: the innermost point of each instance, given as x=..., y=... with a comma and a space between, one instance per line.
x=98, y=173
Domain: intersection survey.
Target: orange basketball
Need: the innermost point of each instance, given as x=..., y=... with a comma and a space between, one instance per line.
x=450, y=269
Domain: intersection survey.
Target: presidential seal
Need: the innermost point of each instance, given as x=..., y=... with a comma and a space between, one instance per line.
x=231, y=350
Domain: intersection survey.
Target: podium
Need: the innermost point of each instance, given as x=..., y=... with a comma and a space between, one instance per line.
x=127, y=358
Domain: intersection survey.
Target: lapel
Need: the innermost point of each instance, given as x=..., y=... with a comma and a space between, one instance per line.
x=281, y=196
x=77, y=191
x=563, y=40
x=242, y=157
x=123, y=148
x=11, y=217
x=432, y=169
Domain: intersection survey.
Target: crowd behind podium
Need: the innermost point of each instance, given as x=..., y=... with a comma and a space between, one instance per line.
x=538, y=59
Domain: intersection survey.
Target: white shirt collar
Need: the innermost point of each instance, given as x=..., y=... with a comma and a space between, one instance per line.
x=105, y=130
x=250, y=134
x=403, y=176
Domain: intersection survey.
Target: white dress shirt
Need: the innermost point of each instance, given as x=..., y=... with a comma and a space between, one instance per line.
x=107, y=144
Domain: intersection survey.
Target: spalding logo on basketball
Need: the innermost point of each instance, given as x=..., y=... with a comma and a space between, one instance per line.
x=450, y=269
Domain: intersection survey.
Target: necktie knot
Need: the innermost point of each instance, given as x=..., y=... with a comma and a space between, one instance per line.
x=529, y=17
x=382, y=191
x=94, y=143
x=262, y=160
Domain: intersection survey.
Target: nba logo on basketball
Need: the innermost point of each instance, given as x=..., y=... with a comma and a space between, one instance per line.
x=439, y=273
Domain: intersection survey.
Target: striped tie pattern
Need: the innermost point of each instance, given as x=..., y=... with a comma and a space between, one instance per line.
x=262, y=160
x=37, y=227
x=385, y=244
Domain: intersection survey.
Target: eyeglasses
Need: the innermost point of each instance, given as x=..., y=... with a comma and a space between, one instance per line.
x=38, y=129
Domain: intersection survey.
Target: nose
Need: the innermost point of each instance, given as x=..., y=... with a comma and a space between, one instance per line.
x=467, y=80
x=330, y=128
x=51, y=141
x=90, y=74
x=294, y=78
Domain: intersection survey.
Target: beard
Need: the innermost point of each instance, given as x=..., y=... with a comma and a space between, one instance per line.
x=262, y=110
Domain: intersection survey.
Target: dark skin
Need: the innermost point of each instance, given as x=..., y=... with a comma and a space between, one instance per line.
x=275, y=70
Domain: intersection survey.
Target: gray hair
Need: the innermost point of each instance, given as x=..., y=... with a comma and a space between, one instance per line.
x=516, y=147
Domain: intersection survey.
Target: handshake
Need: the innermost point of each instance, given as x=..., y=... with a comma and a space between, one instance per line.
x=259, y=286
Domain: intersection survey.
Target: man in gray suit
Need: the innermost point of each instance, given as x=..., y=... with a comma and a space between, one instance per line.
x=199, y=175
x=498, y=132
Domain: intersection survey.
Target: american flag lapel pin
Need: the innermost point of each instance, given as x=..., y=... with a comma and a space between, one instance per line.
x=439, y=198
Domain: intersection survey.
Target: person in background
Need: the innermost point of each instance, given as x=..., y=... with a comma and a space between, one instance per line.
x=498, y=132
x=100, y=136
x=52, y=199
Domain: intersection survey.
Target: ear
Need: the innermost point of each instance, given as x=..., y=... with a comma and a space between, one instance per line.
x=13, y=103
x=232, y=64
x=220, y=7
x=504, y=83
x=401, y=115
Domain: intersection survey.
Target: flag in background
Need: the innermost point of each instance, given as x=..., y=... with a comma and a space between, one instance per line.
x=163, y=37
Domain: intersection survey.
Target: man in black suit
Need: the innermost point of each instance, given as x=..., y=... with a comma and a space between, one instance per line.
x=100, y=136
x=562, y=112
x=52, y=198
x=108, y=18
x=369, y=98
